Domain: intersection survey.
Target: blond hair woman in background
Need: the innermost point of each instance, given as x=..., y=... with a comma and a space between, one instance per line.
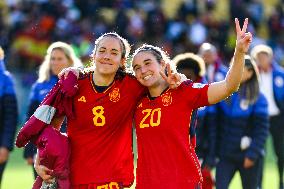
x=59, y=55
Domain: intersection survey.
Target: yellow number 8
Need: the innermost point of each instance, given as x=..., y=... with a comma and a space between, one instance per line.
x=99, y=119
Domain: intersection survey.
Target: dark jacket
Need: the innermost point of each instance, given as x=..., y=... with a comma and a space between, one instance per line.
x=236, y=119
x=278, y=86
x=8, y=108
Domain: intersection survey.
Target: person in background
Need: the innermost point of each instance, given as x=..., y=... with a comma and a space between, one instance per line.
x=215, y=70
x=191, y=65
x=272, y=86
x=242, y=131
x=59, y=55
x=8, y=114
x=201, y=132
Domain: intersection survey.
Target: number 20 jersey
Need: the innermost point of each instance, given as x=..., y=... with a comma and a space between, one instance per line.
x=165, y=157
x=101, y=134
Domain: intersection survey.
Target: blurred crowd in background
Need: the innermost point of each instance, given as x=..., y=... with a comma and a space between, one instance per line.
x=27, y=27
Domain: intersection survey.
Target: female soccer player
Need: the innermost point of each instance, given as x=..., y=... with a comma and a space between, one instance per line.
x=165, y=158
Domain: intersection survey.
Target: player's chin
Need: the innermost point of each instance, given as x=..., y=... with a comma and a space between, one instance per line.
x=108, y=71
x=147, y=83
x=56, y=71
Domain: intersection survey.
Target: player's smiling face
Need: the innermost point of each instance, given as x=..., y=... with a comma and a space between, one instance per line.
x=108, y=56
x=147, y=68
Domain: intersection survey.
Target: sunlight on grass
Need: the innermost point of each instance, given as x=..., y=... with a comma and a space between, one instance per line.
x=269, y=178
x=18, y=175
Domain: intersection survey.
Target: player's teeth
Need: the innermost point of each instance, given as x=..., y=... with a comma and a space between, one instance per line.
x=147, y=77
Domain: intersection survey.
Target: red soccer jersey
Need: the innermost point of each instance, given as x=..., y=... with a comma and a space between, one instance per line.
x=101, y=134
x=165, y=157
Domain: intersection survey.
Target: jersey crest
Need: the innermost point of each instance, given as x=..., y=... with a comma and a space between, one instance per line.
x=114, y=95
x=167, y=99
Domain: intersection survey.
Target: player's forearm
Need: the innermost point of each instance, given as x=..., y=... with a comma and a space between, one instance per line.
x=56, y=122
x=234, y=75
x=220, y=90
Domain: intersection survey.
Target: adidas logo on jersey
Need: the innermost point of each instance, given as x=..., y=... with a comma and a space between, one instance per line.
x=82, y=99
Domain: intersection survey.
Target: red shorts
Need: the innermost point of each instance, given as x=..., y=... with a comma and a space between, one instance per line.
x=111, y=185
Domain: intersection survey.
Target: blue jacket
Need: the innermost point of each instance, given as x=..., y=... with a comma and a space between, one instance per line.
x=278, y=86
x=8, y=109
x=38, y=92
x=237, y=119
x=220, y=72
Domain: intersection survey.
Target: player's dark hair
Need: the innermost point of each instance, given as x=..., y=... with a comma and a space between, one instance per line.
x=190, y=61
x=156, y=51
x=159, y=54
x=249, y=90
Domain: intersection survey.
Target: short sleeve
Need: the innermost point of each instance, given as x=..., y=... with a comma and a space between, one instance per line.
x=195, y=93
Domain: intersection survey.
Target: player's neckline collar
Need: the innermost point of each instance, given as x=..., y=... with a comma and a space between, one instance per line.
x=153, y=98
x=97, y=88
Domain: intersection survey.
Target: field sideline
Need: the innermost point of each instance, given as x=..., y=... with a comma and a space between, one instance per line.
x=18, y=174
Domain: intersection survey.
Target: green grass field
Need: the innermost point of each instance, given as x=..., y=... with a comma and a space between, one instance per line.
x=18, y=174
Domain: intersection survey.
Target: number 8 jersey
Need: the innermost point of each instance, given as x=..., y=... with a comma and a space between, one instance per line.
x=165, y=157
x=101, y=134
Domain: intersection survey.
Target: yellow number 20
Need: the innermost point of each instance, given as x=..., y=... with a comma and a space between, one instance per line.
x=99, y=119
x=151, y=113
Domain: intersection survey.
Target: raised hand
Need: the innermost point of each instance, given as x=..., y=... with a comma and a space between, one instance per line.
x=243, y=38
x=173, y=79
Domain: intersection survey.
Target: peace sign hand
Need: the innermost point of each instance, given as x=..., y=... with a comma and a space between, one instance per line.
x=173, y=79
x=243, y=38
